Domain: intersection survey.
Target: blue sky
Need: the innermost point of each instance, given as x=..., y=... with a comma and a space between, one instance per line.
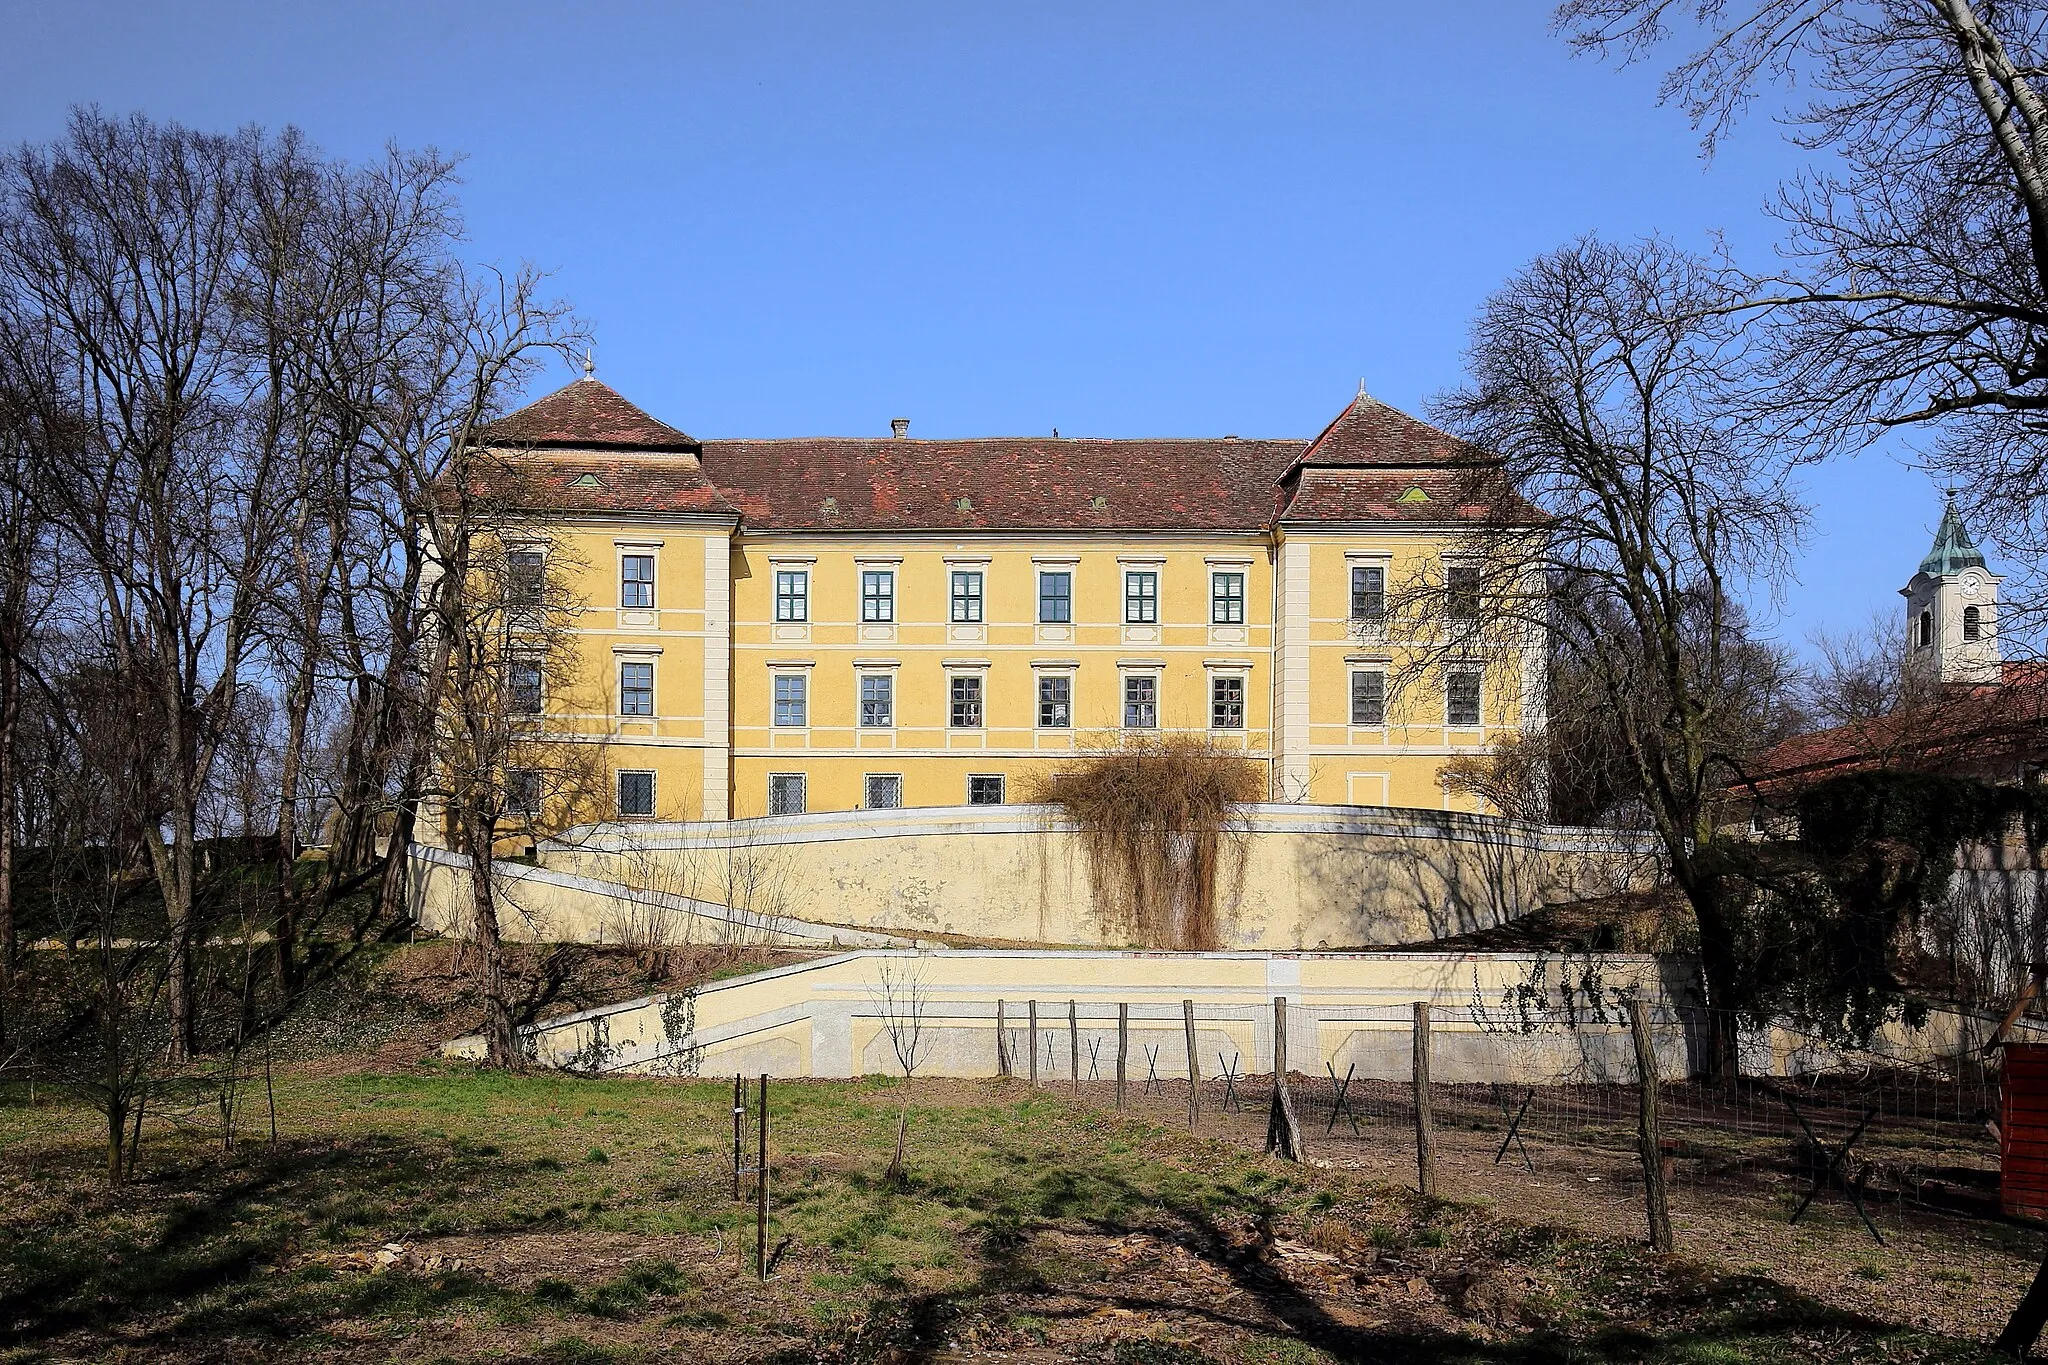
x=1116, y=219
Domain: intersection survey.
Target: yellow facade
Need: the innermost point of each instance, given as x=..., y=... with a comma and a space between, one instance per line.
x=752, y=669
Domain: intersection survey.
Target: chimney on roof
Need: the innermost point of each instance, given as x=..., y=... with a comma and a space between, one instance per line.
x=899, y=427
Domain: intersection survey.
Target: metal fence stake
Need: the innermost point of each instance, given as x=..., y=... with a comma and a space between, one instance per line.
x=1123, y=1048
x=1187, y=1017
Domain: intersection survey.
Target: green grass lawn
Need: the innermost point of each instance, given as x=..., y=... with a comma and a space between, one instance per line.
x=547, y=1218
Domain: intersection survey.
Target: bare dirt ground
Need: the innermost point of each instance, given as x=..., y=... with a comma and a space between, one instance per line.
x=1950, y=1262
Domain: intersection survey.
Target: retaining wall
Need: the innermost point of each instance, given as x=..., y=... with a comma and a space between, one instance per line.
x=1295, y=877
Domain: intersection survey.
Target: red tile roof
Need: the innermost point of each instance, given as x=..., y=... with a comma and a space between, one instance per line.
x=1357, y=470
x=587, y=415
x=1459, y=493
x=1985, y=730
x=1026, y=483
x=1369, y=433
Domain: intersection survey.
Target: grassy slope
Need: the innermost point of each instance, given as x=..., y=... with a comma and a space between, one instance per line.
x=549, y=1218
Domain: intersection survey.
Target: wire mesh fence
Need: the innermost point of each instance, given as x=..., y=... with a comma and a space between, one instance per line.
x=1555, y=1102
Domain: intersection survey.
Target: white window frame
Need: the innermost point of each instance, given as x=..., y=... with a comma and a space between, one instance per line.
x=1002, y=789
x=887, y=574
x=801, y=598
x=1124, y=698
x=647, y=664
x=1244, y=700
x=628, y=553
x=1451, y=676
x=867, y=790
x=861, y=679
x=1039, y=681
x=1368, y=668
x=802, y=700
x=980, y=680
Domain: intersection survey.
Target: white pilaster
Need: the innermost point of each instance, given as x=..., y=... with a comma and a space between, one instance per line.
x=1290, y=671
x=717, y=675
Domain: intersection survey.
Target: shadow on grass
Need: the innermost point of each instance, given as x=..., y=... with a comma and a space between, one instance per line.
x=192, y=1251
x=1676, y=1315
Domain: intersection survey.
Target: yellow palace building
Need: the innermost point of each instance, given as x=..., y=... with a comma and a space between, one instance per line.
x=838, y=623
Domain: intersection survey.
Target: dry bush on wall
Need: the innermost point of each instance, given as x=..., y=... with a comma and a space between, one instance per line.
x=1160, y=817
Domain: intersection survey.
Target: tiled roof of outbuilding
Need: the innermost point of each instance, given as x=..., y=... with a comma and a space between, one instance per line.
x=585, y=415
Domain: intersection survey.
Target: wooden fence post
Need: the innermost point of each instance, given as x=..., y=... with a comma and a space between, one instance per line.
x=1002, y=1042
x=761, y=1191
x=1655, y=1200
x=1073, y=1048
x=1123, y=1047
x=1283, y=1132
x=1425, y=1116
x=1187, y=1018
x=1034, y=1044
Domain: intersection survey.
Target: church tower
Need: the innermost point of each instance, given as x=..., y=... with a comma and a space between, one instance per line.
x=1952, y=611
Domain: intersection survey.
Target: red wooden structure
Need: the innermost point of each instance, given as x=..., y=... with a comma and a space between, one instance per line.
x=2023, y=1131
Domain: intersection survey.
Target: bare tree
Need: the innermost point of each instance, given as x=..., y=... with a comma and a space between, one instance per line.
x=1601, y=375
x=903, y=996
x=1916, y=284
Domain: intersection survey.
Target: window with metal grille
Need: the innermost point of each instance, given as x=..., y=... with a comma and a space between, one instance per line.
x=792, y=594
x=1368, y=592
x=984, y=789
x=636, y=793
x=878, y=595
x=522, y=791
x=1226, y=703
x=1369, y=697
x=792, y=697
x=1461, y=592
x=1461, y=698
x=525, y=578
x=524, y=687
x=636, y=689
x=636, y=580
x=882, y=791
x=877, y=701
x=1226, y=599
x=785, y=793
x=1141, y=597
x=1141, y=703
x=1056, y=702
x=966, y=595
x=965, y=711
x=1055, y=598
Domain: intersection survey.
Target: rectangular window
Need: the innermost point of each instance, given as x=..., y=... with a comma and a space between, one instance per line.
x=525, y=578
x=1055, y=703
x=524, y=687
x=966, y=595
x=1226, y=599
x=878, y=595
x=1461, y=592
x=792, y=594
x=522, y=791
x=785, y=793
x=1368, y=592
x=1055, y=598
x=1226, y=703
x=792, y=699
x=882, y=791
x=965, y=713
x=984, y=789
x=877, y=701
x=1369, y=697
x=636, y=794
x=1141, y=597
x=1461, y=698
x=636, y=689
x=636, y=580
x=1141, y=703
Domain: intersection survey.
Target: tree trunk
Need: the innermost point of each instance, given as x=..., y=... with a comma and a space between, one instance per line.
x=10, y=712
x=1720, y=967
x=501, y=1047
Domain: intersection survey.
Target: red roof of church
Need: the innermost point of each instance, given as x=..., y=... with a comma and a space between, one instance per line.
x=1373, y=463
